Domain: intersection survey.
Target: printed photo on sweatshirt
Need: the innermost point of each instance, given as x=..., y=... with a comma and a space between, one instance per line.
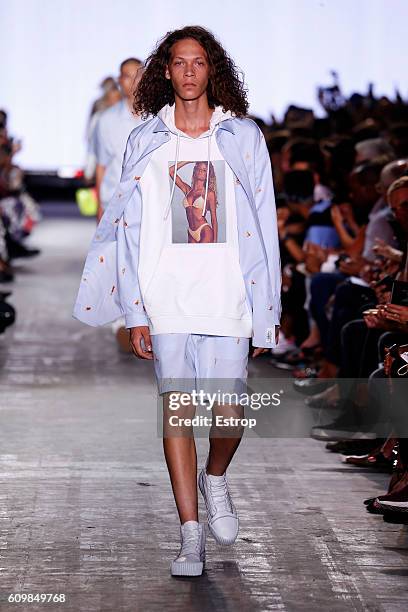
x=195, y=218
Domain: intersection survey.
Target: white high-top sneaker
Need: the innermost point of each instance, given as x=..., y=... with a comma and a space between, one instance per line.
x=191, y=558
x=222, y=516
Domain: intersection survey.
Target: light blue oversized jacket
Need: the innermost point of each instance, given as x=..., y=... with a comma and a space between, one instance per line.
x=109, y=287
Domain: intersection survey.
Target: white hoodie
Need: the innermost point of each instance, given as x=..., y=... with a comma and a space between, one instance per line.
x=189, y=272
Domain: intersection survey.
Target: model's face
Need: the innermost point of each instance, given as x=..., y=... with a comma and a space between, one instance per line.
x=188, y=69
x=129, y=78
x=399, y=205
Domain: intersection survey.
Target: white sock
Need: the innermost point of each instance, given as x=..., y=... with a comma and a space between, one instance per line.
x=213, y=477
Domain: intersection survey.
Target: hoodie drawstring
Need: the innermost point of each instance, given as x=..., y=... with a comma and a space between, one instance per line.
x=208, y=174
x=174, y=178
x=168, y=207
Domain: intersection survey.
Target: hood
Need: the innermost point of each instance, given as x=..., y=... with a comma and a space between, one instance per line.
x=166, y=114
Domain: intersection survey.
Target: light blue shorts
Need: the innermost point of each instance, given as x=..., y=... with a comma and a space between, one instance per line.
x=183, y=362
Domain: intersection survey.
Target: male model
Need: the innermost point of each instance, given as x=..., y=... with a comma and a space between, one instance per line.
x=188, y=251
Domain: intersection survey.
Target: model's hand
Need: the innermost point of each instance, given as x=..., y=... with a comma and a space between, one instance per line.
x=136, y=336
x=259, y=351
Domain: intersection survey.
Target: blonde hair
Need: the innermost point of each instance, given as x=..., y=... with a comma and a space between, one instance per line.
x=212, y=179
x=401, y=183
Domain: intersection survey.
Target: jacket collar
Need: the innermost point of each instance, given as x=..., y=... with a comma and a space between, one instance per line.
x=224, y=125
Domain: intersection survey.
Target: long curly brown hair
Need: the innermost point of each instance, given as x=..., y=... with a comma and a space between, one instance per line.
x=225, y=85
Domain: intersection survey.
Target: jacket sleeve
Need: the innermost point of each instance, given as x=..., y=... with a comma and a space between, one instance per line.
x=269, y=307
x=128, y=248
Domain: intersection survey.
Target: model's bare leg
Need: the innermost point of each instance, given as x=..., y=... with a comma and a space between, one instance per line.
x=181, y=458
x=224, y=441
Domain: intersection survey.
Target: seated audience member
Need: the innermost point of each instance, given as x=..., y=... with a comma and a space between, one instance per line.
x=384, y=324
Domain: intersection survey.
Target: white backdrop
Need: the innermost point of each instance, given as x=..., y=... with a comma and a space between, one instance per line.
x=55, y=52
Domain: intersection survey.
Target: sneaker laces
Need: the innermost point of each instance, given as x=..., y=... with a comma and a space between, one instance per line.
x=220, y=495
x=190, y=542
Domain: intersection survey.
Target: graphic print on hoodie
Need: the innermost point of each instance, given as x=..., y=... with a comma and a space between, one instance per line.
x=198, y=213
x=189, y=271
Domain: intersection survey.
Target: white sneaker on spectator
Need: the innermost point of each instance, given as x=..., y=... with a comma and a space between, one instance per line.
x=284, y=346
